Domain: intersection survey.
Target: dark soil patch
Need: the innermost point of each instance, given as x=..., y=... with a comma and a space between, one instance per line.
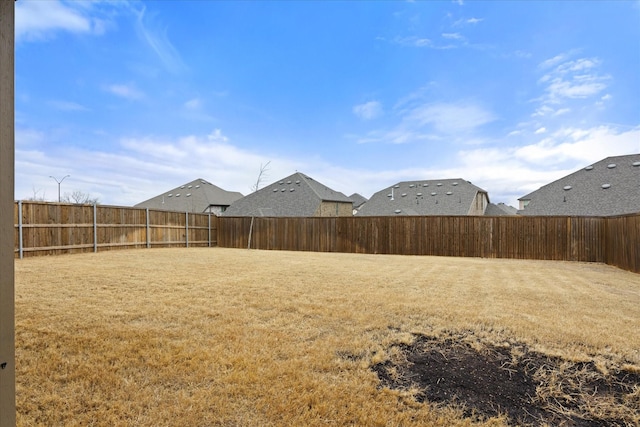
x=529, y=388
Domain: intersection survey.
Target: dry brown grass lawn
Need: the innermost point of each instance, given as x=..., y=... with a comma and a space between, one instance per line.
x=201, y=337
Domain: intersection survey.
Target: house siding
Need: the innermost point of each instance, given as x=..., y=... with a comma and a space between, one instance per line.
x=479, y=204
x=329, y=209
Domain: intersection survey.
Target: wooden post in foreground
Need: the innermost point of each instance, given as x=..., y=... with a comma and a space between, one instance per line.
x=7, y=153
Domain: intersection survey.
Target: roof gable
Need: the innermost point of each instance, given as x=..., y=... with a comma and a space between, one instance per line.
x=357, y=200
x=429, y=197
x=295, y=195
x=608, y=187
x=500, y=209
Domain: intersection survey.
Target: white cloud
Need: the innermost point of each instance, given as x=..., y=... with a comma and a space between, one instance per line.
x=193, y=104
x=580, y=145
x=150, y=31
x=419, y=120
x=551, y=62
x=41, y=20
x=467, y=21
x=413, y=41
x=568, y=80
x=163, y=163
x=578, y=87
x=511, y=172
x=540, y=130
x=368, y=110
x=127, y=91
x=453, y=36
x=67, y=106
x=449, y=118
x=160, y=164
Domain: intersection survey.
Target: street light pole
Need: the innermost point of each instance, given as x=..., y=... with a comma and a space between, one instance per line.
x=59, y=182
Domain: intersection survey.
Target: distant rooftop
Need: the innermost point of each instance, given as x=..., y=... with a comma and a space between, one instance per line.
x=296, y=195
x=605, y=188
x=426, y=197
x=198, y=195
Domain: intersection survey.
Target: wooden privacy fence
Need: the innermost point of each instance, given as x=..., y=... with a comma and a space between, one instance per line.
x=614, y=241
x=53, y=228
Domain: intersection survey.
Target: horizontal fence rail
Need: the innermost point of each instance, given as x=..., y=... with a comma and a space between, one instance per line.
x=43, y=228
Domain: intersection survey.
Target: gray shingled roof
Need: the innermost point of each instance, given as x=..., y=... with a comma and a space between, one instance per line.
x=431, y=197
x=357, y=200
x=296, y=195
x=195, y=196
x=608, y=187
x=500, y=209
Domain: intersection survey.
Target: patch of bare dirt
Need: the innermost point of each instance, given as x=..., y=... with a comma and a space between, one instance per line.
x=528, y=387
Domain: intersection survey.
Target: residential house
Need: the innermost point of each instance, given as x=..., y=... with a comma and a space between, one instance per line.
x=430, y=197
x=358, y=200
x=608, y=187
x=196, y=196
x=500, y=209
x=297, y=195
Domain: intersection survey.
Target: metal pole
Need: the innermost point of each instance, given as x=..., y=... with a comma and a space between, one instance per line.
x=186, y=226
x=59, y=182
x=95, y=227
x=7, y=227
x=148, y=230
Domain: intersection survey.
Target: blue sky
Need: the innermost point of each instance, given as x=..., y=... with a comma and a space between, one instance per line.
x=134, y=98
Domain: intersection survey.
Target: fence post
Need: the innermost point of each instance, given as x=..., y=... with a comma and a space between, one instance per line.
x=148, y=230
x=209, y=225
x=186, y=227
x=95, y=228
x=20, y=245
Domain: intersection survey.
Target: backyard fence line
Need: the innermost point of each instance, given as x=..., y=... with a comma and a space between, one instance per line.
x=44, y=228
x=611, y=240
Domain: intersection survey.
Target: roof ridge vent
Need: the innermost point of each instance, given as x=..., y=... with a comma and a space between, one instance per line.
x=588, y=168
x=611, y=165
x=605, y=186
x=636, y=164
x=567, y=188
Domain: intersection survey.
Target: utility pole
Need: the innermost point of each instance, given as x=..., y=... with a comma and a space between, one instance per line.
x=59, y=182
x=7, y=182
